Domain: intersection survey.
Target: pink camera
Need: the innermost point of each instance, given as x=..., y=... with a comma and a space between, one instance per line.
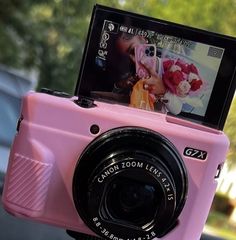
x=112, y=171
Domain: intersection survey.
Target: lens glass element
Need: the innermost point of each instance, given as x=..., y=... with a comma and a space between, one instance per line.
x=131, y=201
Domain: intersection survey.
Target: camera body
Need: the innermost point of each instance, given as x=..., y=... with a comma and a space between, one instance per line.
x=51, y=154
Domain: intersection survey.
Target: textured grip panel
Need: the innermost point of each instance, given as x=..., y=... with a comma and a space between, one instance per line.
x=28, y=182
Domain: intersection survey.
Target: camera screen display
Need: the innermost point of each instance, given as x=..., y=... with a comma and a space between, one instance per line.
x=158, y=66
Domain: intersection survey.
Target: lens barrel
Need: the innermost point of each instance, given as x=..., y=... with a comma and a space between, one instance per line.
x=130, y=183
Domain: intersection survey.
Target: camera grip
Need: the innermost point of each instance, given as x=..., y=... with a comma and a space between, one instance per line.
x=28, y=184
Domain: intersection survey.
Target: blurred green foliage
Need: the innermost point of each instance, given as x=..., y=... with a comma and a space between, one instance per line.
x=49, y=36
x=230, y=130
x=222, y=204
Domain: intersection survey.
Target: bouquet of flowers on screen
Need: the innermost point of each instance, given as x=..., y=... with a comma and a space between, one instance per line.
x=185, y=86
x=188, y=83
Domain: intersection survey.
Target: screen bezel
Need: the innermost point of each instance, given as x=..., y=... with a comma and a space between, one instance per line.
x=222, y=94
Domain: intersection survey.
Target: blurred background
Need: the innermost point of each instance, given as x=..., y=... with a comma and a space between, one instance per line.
x=41, y=45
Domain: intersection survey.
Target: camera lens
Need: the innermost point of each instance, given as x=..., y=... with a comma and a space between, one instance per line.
x=131, y=201
x=147, y=51
x=130, y=182
x=152, y=48
x=150, y=51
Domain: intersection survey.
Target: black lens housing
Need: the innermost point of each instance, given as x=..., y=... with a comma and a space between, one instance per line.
x=130, y=182
x=150, y=51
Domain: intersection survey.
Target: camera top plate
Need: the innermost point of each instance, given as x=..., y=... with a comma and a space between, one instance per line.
x=205, y=63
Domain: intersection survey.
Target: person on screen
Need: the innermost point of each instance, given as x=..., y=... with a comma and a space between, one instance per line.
x=126, y=44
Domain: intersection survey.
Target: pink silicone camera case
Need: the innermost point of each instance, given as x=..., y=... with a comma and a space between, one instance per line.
x=54, y=131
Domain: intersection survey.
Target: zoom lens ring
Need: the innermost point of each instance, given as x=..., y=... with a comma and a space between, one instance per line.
x=119, y=146
x=132, y=168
